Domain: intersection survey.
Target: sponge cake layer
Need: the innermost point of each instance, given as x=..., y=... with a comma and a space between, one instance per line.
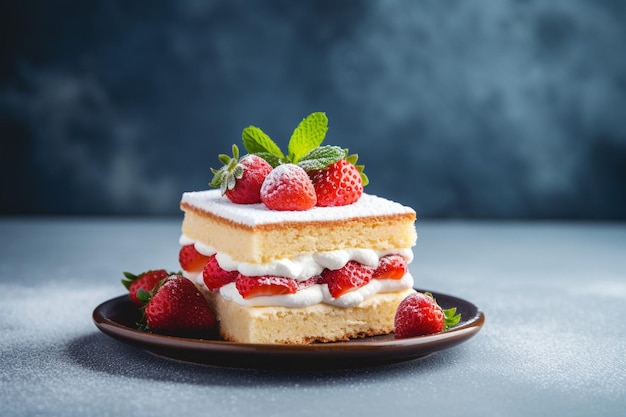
x=254, y=234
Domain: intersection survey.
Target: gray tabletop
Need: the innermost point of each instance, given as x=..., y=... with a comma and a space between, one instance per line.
x=554, y=340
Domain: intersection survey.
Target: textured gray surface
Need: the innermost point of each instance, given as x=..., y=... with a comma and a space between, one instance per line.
x=554, y=342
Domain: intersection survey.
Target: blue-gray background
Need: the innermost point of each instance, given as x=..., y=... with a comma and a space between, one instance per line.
x=461, y=109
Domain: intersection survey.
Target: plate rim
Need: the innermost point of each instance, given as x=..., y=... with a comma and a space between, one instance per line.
x=363, y=352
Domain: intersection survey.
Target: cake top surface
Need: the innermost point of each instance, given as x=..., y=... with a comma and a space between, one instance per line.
x=368, y=205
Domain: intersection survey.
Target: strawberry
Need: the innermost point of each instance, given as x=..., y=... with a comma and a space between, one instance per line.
x=241, y=180
x=309, y=282
x=391, y=267
x=352, y=275
x=178, y=308
x=340, y=180
x=145, y=281
x=288, y=187
x=250, y=287
x=419, y=314
x=215, y=276
x=190, y=259
x=338, y=184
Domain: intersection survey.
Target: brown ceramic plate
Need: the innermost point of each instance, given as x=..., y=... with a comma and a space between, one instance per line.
x=118, y=317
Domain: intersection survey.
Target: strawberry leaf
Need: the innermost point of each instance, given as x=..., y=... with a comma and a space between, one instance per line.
x=353, y=159
x=226, y=177
x=364, y=179
x=256, y=141
x=143, y=295
x=451, y=318
x=321, y=157
x=224, y=159
x=308, y=135
x=129, y=278
x=217, y=177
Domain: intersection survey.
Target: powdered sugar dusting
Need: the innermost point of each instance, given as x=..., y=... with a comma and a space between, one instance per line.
x=283, y=173
x=288, y=187
x=257, y=214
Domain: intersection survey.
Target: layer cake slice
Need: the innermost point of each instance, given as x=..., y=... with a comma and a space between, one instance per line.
x=300, y=245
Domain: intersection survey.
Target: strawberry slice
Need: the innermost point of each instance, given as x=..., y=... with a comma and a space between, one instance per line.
x=391, y=267
x=352, y=275
x=191, y=260
x=215, y=277
x=257, y=286
x=309, y=282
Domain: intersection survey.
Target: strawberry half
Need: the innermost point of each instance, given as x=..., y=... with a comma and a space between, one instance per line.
x=419, y=314
x=257, y=286
x=215, y=277
x=145, y=281
x=391, y=267
x=191, y=260
x=178, y=308
x=338, y=184
x=288, y=187
x=352, y=275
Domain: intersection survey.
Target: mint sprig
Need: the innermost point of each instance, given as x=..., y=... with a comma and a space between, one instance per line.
x=304, y=149
x=304, y=146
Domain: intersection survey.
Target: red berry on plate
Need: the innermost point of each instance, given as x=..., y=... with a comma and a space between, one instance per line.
x=352, y=275
x=241, y=179
x=190, y=259
x=391, y=267
x=215, y=277
x=288, y=187
x=419, y=314
x=338, y=184
x=146, y=281
x=178, y=308
x=257, y=286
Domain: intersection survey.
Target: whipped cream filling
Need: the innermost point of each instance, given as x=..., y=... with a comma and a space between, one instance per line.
x=302, y=268
x=319, y=293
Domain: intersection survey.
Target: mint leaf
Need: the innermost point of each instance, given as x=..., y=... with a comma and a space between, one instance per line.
x=321, y=157
x=308, y=135
x=256, y=141
x=270, y=158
